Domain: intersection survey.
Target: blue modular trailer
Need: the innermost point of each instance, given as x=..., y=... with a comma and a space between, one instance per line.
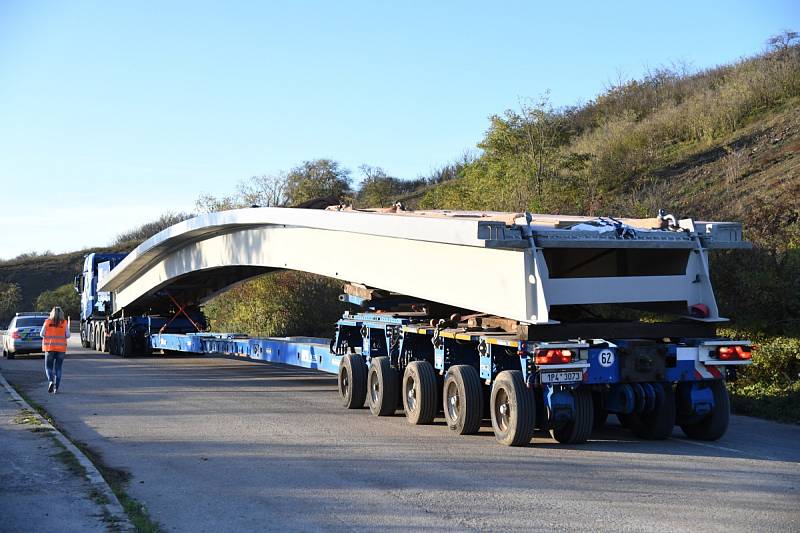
x=394, y=360
x=398, y=354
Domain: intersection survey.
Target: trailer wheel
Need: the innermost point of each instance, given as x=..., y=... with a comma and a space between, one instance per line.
x=462, y=396
x=419, y=392
x=577, y=430
x=657, y=424
x=600, y=414
x=353, y=381
x=513, y=409
x=715, y=424
x=383, y=387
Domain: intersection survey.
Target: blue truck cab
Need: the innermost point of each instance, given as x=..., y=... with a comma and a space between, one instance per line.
x=95, y=306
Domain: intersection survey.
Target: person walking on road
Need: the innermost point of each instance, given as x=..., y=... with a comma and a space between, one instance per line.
x=54, y=333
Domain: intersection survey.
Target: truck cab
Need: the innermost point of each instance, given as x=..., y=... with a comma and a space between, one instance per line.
x=95, y=305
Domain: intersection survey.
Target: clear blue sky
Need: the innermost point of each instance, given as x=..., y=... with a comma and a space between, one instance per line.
x=114, y=112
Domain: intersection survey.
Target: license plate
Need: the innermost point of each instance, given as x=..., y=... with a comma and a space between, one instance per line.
x=561, y=377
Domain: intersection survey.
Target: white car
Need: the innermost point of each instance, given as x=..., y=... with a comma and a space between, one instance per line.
x=23, y=334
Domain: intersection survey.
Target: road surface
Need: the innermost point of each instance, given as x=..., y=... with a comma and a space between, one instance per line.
x=215, y=444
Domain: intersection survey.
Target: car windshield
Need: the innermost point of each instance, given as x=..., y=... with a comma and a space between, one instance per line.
x=30, y=321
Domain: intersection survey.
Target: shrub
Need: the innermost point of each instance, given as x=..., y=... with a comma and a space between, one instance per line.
x=64, y=297
x=280, y=304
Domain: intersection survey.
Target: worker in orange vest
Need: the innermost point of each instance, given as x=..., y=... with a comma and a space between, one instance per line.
x=54, y=333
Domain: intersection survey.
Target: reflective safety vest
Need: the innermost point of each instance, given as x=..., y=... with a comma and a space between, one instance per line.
x=55, y=337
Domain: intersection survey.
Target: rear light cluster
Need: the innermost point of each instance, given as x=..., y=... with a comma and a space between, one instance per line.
x=734, y=353
x=15, y=334
x=553, y=357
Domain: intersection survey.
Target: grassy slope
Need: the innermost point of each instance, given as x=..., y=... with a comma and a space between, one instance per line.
x=732, y=177
x=37, y=274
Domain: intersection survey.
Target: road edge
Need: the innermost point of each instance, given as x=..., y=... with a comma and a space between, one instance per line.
x=112, y=506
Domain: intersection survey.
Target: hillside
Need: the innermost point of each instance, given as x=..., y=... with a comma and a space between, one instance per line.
x=35, y=274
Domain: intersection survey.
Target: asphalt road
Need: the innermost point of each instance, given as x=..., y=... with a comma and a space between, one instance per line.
x=217, y=444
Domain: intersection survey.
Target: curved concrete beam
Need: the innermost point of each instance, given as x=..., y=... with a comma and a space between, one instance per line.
x=465, y=262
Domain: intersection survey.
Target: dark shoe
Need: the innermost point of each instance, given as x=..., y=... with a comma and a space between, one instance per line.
x=55, y=390
x=51, y=387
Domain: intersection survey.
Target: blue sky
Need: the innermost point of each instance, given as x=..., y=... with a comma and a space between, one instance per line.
x=114, y=112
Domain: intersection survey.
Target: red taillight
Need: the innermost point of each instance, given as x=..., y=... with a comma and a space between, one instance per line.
x=553, y=357
x=15, y=334
x=730, y=353
x=743, y=352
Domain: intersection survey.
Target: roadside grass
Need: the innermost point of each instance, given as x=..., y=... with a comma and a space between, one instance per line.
x=117, y=479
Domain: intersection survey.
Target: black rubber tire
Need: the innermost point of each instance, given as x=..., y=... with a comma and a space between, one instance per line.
x=600, y=414
x=84, y=335
x=419, y=393
x=578, y=430
x=92, y=337
x=383, y=387
x=126, y=346
x=657, y=424
x=463, y=404
x=513, y=409
x=352, y=381
x=714, y=425
x=101, y=338
x=112, y=344
x=11, y=355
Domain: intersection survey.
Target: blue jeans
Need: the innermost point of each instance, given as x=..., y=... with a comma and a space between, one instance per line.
x=53, y=361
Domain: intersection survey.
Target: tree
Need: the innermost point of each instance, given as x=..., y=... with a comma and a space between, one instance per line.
x=377, y=189
x=264, y=190
x=10, y=298
x=317, y=179
x=208, y=203
x=64, y=297
x=783, y=41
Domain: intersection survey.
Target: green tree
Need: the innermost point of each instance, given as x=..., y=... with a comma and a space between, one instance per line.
x=10, y=298
x=318, y=178
x=377, y=189
x=64, y=297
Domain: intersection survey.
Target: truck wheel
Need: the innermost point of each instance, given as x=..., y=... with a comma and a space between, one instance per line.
x=353, y=381
x=126, y=346
x=600, y=414
x=577, y=430
x=715, y=424
x=101, y=338
x=657, y=424
x=513, y=409
x=92, y=337
x=419, y=392
x=462, y=397
x=383, y=387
